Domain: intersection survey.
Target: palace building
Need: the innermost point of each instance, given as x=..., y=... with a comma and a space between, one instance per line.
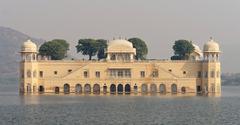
x=121, y=73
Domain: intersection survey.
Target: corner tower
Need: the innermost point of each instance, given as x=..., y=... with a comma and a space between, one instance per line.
x=28, y=67
x=211, y=67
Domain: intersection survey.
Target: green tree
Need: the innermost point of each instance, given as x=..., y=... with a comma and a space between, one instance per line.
x=57, y=49
x=141, y=48
x=62, y=42
x=182, y=50
x=102, y=46
x=87, y=47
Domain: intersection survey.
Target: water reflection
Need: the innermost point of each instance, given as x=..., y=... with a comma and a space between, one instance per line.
x=137, y=109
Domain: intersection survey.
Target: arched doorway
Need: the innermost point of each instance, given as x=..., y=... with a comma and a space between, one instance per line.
x=127, y=89
x=183, y=89
x=104, y=89
x=41, y=89
x=113, y=89
x=56, y=89
x=144, y=88
x=120, y=88
x=96, y=89
x=153, y=88
x=87, y=89
x=162, y=88
x=66, y=88
x=78, y=88
x=174, y=88
x=135, y=88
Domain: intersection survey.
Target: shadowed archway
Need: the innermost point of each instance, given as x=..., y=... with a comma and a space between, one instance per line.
x=87, y=89
x=162, y=88
x=66, y=88
x=41, y=89
x=78, y=88
x=120, y=88
x=174, y=88
x=113, y=89
x=183, y=90
x=127, y=89
x=56, y=89
x=153, y=88
x=144, y=88
x=96, y=89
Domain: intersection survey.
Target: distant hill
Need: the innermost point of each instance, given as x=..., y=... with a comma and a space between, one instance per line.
x=10, y=44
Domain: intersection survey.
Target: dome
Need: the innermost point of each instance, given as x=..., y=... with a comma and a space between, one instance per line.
x=29, y=46
x=211, y=46
x=120, y=46
x=120, y=42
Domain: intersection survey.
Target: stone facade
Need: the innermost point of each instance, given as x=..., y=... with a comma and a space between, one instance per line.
x=120, y=73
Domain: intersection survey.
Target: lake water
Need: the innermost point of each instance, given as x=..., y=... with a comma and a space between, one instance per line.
x=119, y=109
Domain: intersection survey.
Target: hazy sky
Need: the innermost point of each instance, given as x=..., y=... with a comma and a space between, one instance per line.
x=158, y=22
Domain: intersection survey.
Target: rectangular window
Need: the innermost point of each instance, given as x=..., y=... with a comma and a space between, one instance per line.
x=55, y=72
x=85, y=73
x=206, y=74
x=40, y=74
x=97, y=74
x=199, y=74
x=212, y=74
x=127, y=73
x=142, y=74
x=155, y=74
x=120, y=73
x=69, y=70
x=112, y=73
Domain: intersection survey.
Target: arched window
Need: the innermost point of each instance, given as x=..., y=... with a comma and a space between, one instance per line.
x=120, y=88
x=113, y=89
x=66, y=88
x=96, y=89
x=174, y=88
x=56, y=89
x=29, y=73
x=87, y=89
x=183, y=89
x=153, y=88
x=127, y=89
x=162, y=88
x=78, y=88
x=144, y=88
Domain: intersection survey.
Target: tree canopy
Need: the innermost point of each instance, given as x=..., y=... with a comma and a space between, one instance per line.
x=141, y=48
x=182, y=50
x=102, y=46
x=56, y=48
x=91, y=47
